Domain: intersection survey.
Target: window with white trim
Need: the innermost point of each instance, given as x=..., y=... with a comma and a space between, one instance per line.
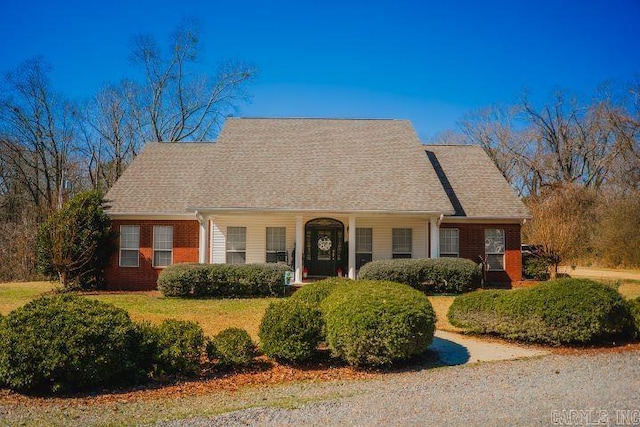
x=364, y=246
x=162, y=245
x=449, y=242
x=129, y=245
x=236, y=245
x=401, y=242
x=494, y=248
x=276, y=244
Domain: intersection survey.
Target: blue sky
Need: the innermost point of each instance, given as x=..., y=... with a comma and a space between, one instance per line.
x=430, y=62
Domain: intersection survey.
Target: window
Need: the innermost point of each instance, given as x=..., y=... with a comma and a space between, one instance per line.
x=364, y=246
x=449, y=242
x=236, y=245
x=276, y=244
x=129, y=245
x=401, y=242
x=494, y=248
x=162, y=246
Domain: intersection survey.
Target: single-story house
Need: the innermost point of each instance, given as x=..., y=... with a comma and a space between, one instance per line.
x=324, y=195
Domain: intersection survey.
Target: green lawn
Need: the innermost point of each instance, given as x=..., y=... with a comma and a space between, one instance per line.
x=17, y=294
x=212, y=314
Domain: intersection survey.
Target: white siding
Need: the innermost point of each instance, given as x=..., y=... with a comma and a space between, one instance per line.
x=218, y=243
x=257, y=224
x=382, y=226
x=256, y=234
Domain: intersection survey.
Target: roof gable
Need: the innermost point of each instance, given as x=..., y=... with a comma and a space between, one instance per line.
x=320, y=164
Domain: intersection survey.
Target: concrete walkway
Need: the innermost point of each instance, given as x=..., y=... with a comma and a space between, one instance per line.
x=458, y=349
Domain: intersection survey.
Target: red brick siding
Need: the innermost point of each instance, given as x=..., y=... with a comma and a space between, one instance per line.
x=145, y=277
x=472, y=246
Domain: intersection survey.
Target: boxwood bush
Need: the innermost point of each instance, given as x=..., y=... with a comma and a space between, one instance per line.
x=316, y=292
x=443, y=275
x=634, y=311
x=232, y=346
x=371, y=323
x=565, y=311
x=291, y=330
x=65, y=343
x=222, y=280
x=177, y=347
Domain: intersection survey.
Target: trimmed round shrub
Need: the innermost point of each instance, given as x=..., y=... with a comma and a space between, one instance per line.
x=232, y=346
x=373, y=323
x=65, y=343
x=316, y=292
x=222, y=280
x=291, y=330
x=634, y=311
x=565, y=311
x=442, y=275
x=178, y=347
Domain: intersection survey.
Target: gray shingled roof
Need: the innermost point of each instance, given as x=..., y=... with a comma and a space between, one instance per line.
x=159, y=180
x=475, y=186
x=312, y=164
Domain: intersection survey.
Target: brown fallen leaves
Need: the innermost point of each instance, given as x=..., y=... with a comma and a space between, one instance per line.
x=262, y=372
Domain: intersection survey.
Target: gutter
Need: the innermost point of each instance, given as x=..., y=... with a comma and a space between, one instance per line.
x=335, y=211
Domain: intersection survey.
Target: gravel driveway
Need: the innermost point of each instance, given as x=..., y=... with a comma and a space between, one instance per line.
x=585, y=389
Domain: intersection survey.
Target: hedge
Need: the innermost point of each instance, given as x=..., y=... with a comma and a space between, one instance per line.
x=65, y=343
x=372, y=323
x=222, y=280
x=291, y=330
x=442, y=275
x=316, y=292
x=565, y=311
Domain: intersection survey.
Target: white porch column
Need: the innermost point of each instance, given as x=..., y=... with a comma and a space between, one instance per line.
x=352, y=247
x=299, y=248
x=435, y=237
x=204, y=238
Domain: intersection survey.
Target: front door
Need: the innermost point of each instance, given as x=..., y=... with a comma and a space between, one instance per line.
x=324, y=247
x=323, y=252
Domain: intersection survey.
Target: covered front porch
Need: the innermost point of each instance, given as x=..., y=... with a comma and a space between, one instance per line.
x=316, y=244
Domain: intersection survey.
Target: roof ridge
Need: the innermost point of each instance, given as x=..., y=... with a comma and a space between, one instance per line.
x=319, y=118
x=182, y=142
x=451, y=145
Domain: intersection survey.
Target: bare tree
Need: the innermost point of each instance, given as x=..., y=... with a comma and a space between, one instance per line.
x=563, y=224
x=623, y=118
x=574, y=144
x=496, y=131
x=36, y=134
x=175, y=103
x=109, y=133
